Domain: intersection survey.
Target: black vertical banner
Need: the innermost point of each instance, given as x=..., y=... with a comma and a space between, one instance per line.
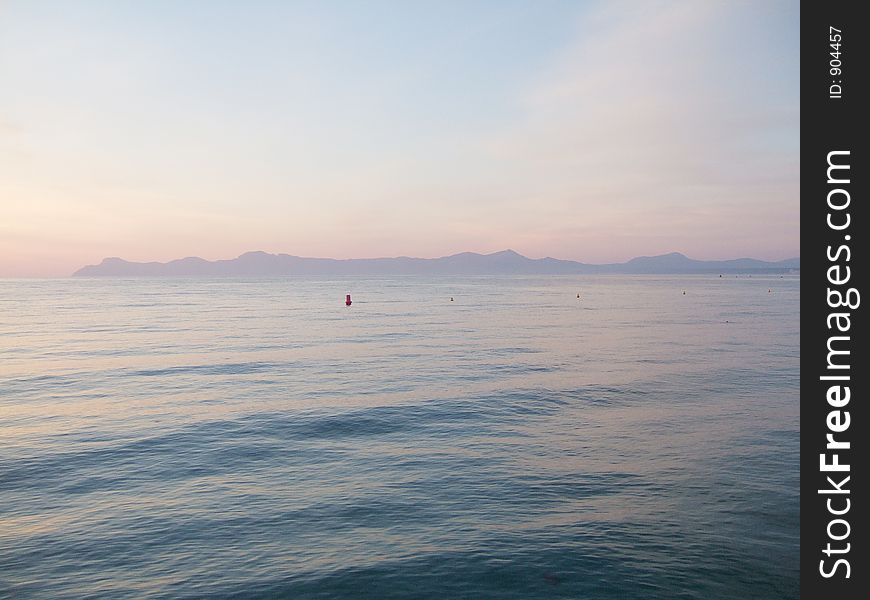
x=834, y=431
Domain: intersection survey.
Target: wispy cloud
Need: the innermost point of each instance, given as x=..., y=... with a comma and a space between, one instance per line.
x=655, y=126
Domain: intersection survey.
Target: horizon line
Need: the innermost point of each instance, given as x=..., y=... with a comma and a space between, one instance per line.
x=503, y=251
x=258, y=259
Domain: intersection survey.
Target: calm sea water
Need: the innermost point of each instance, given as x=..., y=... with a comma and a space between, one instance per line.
x=256, y=438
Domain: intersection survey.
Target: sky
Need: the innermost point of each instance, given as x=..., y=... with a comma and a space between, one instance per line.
x=592, y=131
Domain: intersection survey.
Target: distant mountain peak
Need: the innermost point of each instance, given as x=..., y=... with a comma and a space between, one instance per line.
x=670, y=256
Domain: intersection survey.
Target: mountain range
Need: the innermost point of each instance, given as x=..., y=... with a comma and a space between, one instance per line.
x=506, y=262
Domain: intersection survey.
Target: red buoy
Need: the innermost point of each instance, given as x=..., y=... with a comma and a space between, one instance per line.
x=347, y=301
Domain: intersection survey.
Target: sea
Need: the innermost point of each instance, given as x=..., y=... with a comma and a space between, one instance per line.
x=451, y=437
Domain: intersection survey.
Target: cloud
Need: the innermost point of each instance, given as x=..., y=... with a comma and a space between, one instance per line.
x=655, y=121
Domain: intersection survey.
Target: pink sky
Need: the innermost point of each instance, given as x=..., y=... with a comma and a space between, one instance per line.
x=597, y=133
